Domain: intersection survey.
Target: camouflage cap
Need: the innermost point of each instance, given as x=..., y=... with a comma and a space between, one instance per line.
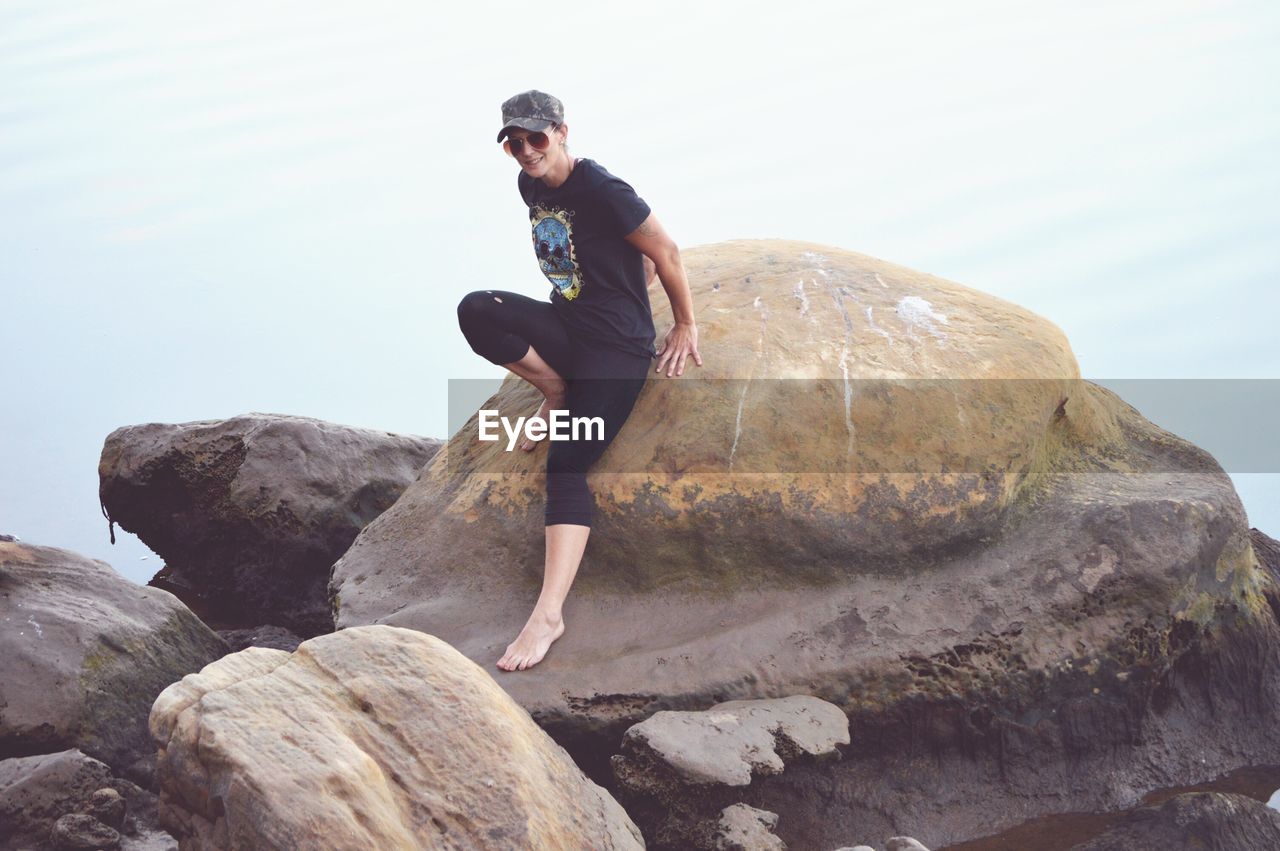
x=531, y=110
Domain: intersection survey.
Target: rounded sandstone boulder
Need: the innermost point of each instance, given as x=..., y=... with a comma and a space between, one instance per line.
x=373, y=737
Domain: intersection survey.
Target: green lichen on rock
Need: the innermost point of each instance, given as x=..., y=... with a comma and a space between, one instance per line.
x=121, y=675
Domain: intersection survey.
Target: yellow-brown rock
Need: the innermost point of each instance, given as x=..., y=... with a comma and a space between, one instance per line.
x=890, y=492
x=374, y=737
x=888, y=412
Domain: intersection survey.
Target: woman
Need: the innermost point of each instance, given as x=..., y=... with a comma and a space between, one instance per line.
x=590, y=348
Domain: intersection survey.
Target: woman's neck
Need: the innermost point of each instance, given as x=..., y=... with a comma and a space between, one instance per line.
x=555, y=176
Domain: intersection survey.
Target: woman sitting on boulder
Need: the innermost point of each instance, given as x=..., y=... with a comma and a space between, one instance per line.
x=589, y=349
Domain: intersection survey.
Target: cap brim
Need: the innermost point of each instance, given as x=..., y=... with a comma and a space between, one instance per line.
x=526, y=124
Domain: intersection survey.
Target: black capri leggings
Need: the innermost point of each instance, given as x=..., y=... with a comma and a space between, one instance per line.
x=602, y=382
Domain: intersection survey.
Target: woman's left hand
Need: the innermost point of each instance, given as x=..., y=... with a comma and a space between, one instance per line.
x=681, y=342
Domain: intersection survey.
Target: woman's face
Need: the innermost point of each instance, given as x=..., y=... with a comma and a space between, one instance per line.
x=537, y=163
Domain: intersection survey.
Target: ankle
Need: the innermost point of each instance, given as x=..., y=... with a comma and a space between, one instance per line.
x=547, y=613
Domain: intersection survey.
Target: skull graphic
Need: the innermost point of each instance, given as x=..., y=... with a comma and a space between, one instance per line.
x=553, y=243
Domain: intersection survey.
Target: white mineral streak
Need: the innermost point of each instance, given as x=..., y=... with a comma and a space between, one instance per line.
x=802, y=298
x=758, y=304
x=918, y=313
x=871, y=323
x=837, y=295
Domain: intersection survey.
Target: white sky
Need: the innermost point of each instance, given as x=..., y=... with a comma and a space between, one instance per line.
x=210, y=209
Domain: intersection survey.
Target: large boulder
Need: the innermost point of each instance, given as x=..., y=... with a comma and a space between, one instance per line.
x=250, y=513
x=896, y=495
x=373, y=737
x=83, y=654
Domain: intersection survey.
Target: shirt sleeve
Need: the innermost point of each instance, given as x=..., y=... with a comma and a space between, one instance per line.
x=629, y=209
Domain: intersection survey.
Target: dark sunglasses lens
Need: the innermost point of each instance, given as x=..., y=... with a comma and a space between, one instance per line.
x=514, y=146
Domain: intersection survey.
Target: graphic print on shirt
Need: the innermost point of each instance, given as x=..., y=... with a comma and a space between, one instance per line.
x=553, y=243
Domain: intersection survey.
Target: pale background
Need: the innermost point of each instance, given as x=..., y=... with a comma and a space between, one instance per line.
x=216, y=208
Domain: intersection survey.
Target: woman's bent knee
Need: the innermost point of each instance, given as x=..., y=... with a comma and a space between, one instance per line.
x=475, y=305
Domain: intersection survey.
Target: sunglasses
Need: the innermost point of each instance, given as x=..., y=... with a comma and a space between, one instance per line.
x=538, y=141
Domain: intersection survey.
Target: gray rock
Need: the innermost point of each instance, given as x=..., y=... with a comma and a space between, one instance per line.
x=732, y=741
x=83, y=654
x=1267, y=549
x=83, y=832
x=744, y=828
x=680, y=773
x=108, y=806
x=250, y=513
x=1193, y=822
x=36, y=790
x=273, y=637
x=148, y=839
x=8, y=537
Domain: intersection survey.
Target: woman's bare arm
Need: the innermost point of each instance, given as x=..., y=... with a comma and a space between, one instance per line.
x=660, y=249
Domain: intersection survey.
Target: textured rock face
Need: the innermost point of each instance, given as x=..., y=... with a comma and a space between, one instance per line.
x=83, y=654
x=372, y=737
x=680, y=773
x=36, y=790
x=1194, y=822
x=39, y=792
x=1081, y=600
x=819, y=364
x=250, y=513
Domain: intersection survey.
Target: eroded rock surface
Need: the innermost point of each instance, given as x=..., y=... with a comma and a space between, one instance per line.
x=250, y=513
x=83, y=654
x=38, y=792
x=1193, y=822
x=743, y=828
x=679, y=773
x=1023, y=585
x=373, y=737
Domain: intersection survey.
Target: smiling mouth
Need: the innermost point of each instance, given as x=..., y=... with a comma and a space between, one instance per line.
x=534, y=162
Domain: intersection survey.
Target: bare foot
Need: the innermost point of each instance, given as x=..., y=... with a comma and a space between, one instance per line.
x=532, y=643
x=548, y=404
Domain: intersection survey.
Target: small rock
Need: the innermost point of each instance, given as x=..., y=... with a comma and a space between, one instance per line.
x=9, y=538
x=745, y=828
x=267, y=635
x=35, y=790
x=83, y=832
x=903, y=843
x=108, y=806
x=681, y=774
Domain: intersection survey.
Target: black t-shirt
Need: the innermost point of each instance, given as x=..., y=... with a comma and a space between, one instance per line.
x=597, y=276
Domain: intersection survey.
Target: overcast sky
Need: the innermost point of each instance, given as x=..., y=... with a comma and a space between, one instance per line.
x=216, y=208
